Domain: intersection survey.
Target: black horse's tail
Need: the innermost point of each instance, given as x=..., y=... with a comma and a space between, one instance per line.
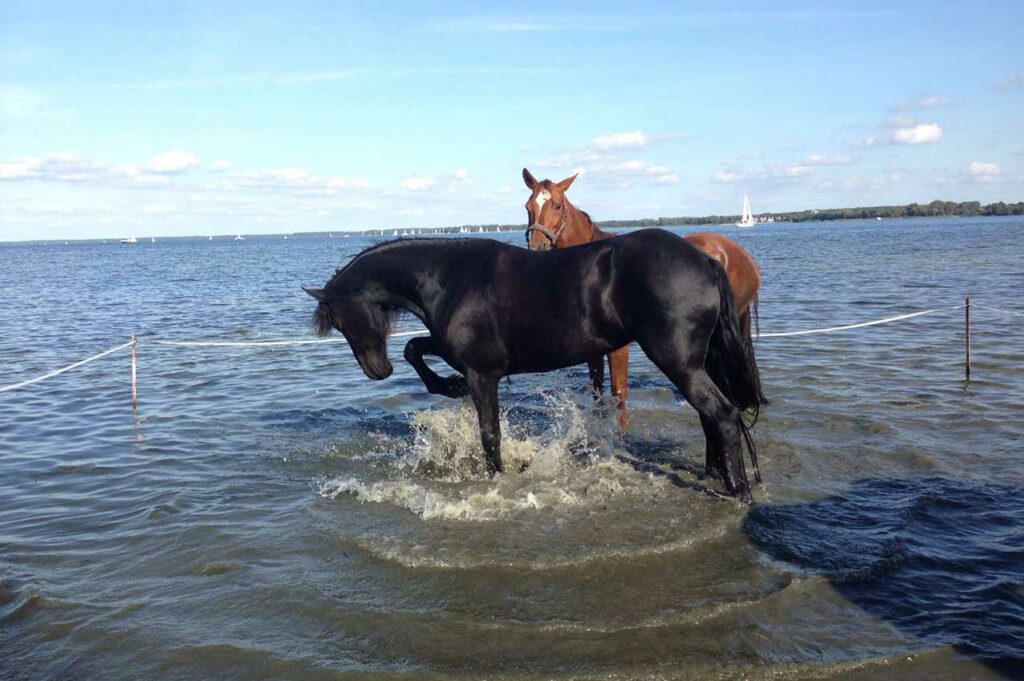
x=730, y=363
x=749, y=326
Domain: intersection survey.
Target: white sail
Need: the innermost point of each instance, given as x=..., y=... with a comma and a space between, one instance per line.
x=747, y=219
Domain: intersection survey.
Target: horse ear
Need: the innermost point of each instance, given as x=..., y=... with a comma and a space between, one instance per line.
x=531, y=182
x=317, y=293
x=564, y=184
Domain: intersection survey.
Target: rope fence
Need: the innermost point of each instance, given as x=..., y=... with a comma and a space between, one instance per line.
x=133, y=342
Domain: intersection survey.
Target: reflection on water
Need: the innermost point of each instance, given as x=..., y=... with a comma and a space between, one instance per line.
x=270, y=513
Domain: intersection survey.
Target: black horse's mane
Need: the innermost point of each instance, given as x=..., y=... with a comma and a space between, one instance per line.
x=322, y=322
x=382, y=245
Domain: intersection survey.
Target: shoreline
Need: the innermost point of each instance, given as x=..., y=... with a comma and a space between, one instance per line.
x=827, y=215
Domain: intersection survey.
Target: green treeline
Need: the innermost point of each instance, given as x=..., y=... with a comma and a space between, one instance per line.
x=913, y=210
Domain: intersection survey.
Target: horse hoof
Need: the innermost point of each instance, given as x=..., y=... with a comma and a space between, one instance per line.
x=455, y=386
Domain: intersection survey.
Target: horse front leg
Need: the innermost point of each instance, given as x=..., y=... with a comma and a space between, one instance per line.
x=618, y=367
x=454, y=386
x=484, y=391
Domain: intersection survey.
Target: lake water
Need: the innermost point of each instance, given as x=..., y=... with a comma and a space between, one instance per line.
x=269, y=513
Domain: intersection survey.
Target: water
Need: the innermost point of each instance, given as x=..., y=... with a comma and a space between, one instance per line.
x=271, y=513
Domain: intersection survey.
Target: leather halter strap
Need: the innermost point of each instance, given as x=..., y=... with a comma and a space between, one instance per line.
x=552, y=238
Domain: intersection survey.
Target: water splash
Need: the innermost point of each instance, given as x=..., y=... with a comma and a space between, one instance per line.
x=442, y=476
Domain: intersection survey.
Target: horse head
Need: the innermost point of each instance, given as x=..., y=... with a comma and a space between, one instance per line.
x=363, y=322
x=551, y=218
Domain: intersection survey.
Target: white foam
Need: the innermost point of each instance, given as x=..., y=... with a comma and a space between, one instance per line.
x=443, y=476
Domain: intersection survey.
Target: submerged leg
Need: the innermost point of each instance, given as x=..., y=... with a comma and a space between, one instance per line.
x=714, y=459
x=618, y=367
x=484, y=390
x=720, y=420
x=718, y=417
x=596, y=367
x=453, y=386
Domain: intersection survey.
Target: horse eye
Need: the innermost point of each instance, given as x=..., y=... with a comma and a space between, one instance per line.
x=558, y=206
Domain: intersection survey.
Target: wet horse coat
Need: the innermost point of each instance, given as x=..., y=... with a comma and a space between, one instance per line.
x=493, y=310
x=554, y=223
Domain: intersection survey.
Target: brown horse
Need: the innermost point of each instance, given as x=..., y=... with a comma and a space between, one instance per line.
x=555, y=223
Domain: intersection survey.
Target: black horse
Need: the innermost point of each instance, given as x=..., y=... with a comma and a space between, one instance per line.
x=493, y=310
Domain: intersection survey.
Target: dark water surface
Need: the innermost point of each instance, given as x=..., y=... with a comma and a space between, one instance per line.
x=271, y=513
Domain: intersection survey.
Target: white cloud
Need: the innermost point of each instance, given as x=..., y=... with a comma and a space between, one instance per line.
x=461, y=175
x=159, y=209
x=923, y=102
x=625, y=174
x=60, y=166
x=571, y=159
x=825, y=160
x=1016, y=80
x=17, y=102
x=924, y=133
x=172, y=162
x=778, y=172
x=605, y=149
x=418, y=183
x=621, y=140
x=220, y=165
x=982, y=171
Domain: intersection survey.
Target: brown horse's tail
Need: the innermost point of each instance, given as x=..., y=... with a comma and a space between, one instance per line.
x=730, y=363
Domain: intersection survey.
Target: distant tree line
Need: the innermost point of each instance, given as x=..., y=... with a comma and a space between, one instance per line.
x=912, y=210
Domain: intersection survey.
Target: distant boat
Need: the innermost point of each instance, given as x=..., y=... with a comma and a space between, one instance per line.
x=210, y=238
x=152, y=239
x=239, y=237
x=285, y=236
x=130, y=240
x=877, y=218
x=747, y=219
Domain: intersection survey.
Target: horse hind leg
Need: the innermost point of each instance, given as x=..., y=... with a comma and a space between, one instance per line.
x=718, y=417
x=721, y=423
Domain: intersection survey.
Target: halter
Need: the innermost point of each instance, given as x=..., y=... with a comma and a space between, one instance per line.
x=552, y=238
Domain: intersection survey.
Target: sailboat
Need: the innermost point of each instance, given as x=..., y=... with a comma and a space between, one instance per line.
x=747, y=220
x=239, y=237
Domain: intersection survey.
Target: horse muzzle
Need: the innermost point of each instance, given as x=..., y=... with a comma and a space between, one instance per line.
x=376, y=369
x=545, y=245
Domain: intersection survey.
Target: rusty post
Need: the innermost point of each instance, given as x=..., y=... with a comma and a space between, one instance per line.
x=967, y=337
x=135, y=392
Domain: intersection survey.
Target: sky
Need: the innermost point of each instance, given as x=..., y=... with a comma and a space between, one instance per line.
x=194, y=118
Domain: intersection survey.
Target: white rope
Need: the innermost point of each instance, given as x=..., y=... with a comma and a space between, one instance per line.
x=307, y=341
x=67, y=368
x=264, y=343
x=875, y=322
x=996, y=309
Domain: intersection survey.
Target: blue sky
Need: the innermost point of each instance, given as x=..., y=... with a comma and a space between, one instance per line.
x=219, y=117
